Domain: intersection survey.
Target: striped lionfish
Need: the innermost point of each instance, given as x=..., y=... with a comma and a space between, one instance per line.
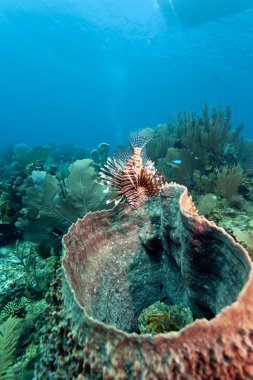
x=132, y=176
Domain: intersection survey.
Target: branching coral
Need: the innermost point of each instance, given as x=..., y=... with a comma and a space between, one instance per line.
x=27, y=258
x=228, y=181
x=208, y=136
x=209, y=139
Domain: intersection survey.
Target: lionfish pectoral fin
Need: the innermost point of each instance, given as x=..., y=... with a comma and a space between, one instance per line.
x=117, y=201
x=100, y=182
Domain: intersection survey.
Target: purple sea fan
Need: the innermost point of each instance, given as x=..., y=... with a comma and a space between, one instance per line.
x=134, y=177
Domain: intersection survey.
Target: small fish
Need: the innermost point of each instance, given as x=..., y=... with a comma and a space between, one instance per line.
x=177, y=162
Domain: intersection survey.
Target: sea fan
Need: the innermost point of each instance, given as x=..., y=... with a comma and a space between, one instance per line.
x=9, y=333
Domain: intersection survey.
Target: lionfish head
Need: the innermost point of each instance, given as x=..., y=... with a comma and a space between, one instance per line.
x=134, y=177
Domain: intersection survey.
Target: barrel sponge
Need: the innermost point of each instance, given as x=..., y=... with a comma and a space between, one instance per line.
x=118, y=262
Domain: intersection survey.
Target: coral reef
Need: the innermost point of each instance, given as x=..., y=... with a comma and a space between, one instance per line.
x=43, y=190
x=119, y=262
x=39, y=192
x=19, y=167
x=24, y=281
x=203, y=144
x=209, y=137
x=51, y=206
x=24, y=156
x=66, y=153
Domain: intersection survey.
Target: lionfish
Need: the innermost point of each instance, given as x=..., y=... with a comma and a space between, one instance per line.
x=134, y=176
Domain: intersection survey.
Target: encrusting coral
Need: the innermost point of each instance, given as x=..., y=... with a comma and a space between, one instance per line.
x=118, y=262
x=161, y=318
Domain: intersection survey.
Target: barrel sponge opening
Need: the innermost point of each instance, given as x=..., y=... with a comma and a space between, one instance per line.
x=121, y=261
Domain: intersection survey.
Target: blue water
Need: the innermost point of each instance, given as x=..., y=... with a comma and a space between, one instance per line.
x=91, y=71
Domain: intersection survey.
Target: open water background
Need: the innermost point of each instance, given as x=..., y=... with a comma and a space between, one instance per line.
x=91, y=71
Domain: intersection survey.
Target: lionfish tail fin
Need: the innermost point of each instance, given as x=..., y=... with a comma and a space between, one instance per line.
x=140, y=138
